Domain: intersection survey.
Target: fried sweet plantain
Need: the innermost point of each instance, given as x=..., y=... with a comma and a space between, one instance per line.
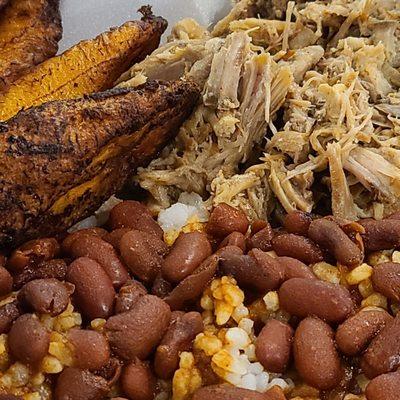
x=88, y=67
x=29, y=34
x=61, y=160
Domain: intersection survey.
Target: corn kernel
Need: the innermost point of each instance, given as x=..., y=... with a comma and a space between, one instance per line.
x=62, y=352
x=379, y=257
x=223, y=312
x=271, y=301
x=37, y=379
x=396, y=256
x=207, y=303
x=376, y=299
x=326, y=272
x=359, y=274
x=208, y=343
x=51, y=365
x=187, y=378
x=362, y=381
x=98, y=324
x=33, y=396
x=365, y=288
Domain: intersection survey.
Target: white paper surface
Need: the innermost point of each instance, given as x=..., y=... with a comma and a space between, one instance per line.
x=84, y=19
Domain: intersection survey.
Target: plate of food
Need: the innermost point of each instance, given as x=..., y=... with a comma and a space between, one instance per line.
x=200, y=200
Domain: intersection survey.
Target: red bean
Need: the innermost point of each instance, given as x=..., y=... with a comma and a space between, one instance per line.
x=46, y=296
x=229, y=392
x=94, y=292
x=299, y=247
x=262, y=239
x=192, y=287
x=187, y=253
x=143, y=254
x=67, y=242
x=228, y=251
x=77, y=384
x=91, y=350
x=161, y=287
x=6, y=282
x=129, y=334
x=134, y=215
x=354, y=335
x=8, y=314
x=384, y=387
x=295, y=268
x=225, y=219
x=114, y=237
x=306, y=297
x=178, y=338
x=28, y=340
x=138, y=382
x=273, y=345
x=128, y=296
x=257, y=225
x=297, y=222
x=383, y=354
x=381, y=235
x=328, y=235
x=234, y=239
x=111, y=372
x=46, y=269
x=386, y=280
x=99, y=250
x=33, y=252
x=315, y=354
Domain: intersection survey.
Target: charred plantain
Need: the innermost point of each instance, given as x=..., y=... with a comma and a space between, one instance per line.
x=90, y=66
x=61, y=160
x=29, y=34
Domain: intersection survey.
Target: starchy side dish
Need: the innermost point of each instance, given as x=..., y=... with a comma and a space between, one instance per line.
x=90, y=66
x=29, y=34
x=62, y=160
x=222, y=224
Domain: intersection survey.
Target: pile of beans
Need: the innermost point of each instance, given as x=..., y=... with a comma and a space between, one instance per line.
x=148, y=295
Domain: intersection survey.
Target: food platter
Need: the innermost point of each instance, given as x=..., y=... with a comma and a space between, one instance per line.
x=200, y=200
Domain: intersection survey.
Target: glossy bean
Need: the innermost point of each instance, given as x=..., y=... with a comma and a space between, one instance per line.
x=99, y=250
x=315, y=355
x=129, y=334
x=143, y=254
x=46, y=296
x=306, y=297
x=134, y=215
x=94, y=292
x=330, y=236
x=225, y=219
x=296, y=246
x=28, y=340
x=178, y=338
x=273, y=345
x=187, y=253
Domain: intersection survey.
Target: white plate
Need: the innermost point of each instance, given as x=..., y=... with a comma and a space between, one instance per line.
x=84, y=19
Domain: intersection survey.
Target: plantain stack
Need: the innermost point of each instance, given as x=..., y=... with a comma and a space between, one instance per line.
x=29, y=34
x=88, y=67
x=61, y=160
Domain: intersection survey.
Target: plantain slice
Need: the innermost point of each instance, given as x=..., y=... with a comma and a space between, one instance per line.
x=87, y=67
x=29, y=34
x=60, y=161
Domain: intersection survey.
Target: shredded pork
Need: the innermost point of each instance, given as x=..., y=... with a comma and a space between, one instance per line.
x=299, y=98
